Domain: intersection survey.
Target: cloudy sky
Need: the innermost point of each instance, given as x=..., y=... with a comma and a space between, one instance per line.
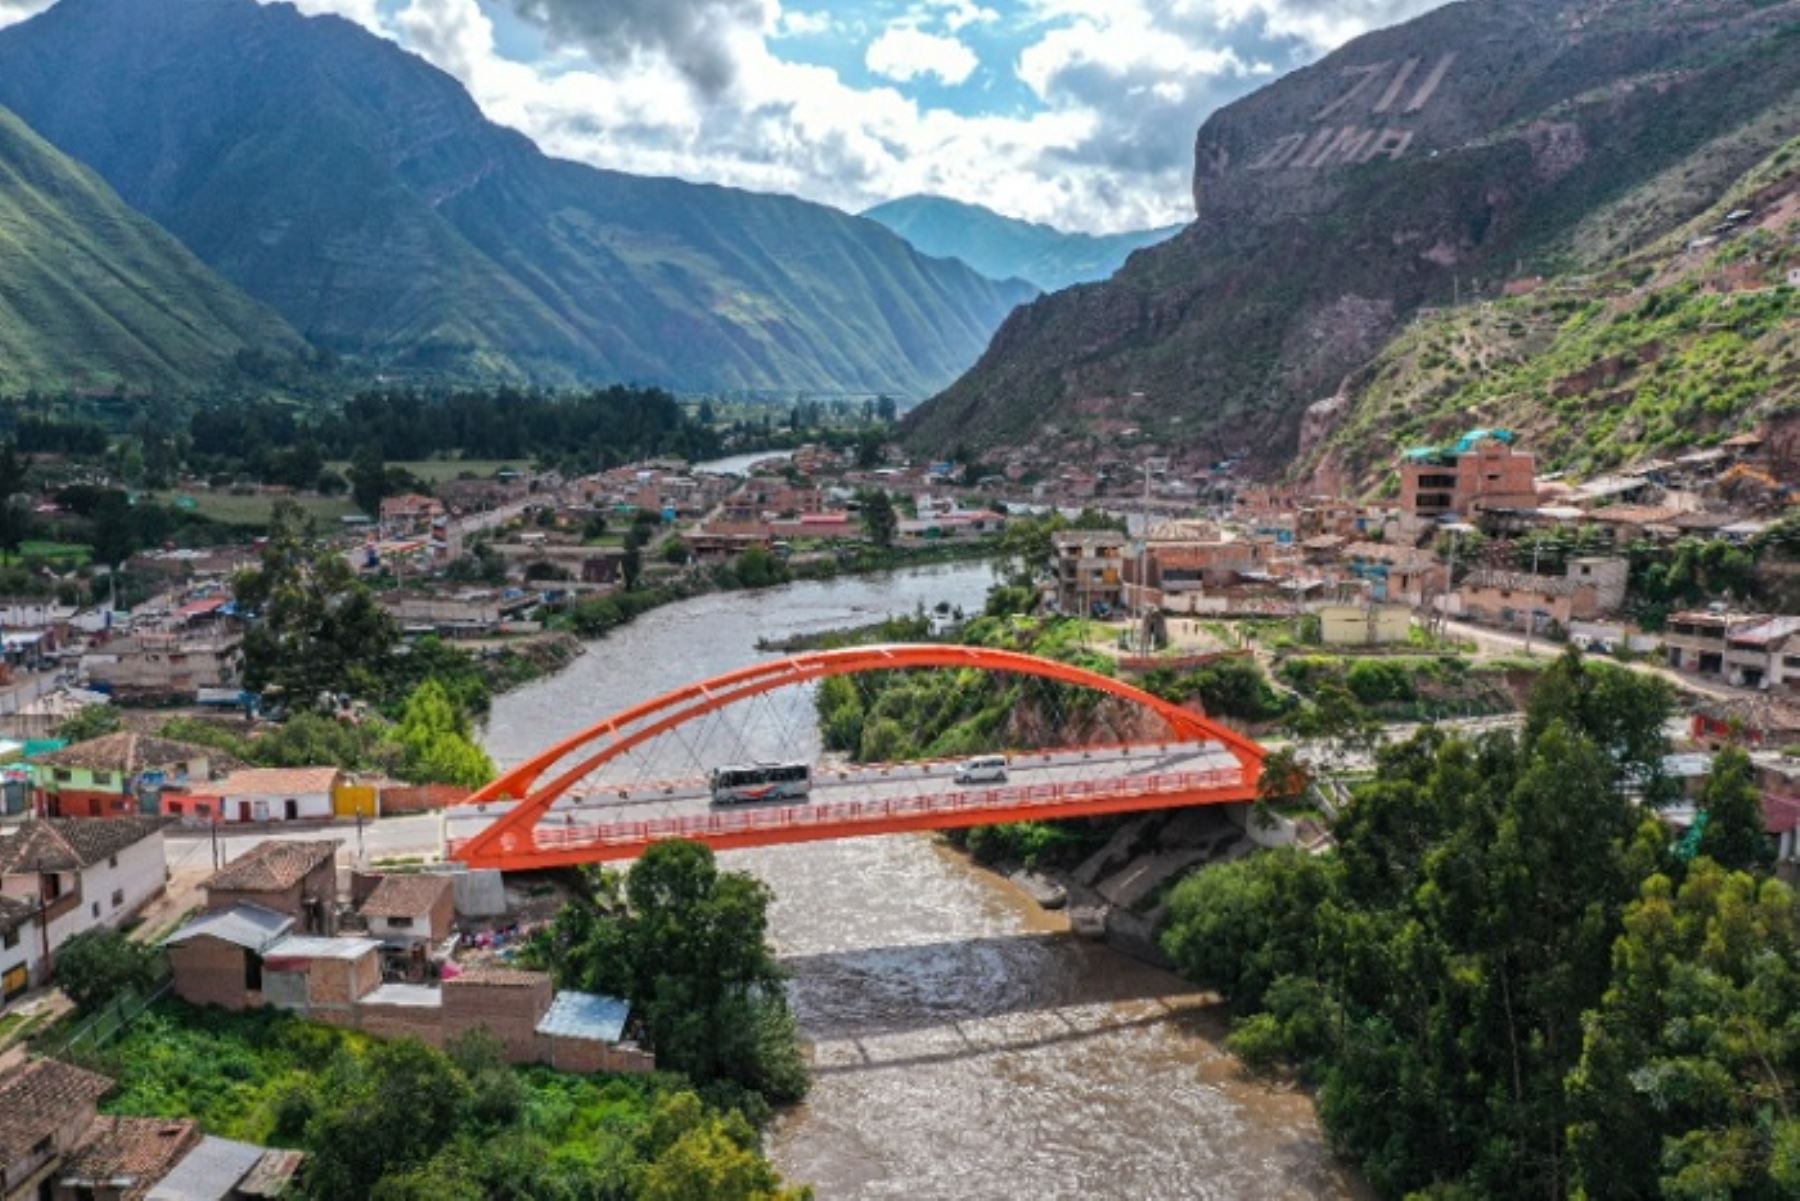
x=1080, y=113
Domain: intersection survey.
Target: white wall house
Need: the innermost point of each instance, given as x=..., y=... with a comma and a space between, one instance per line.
x=60, y=876
x=274, y=794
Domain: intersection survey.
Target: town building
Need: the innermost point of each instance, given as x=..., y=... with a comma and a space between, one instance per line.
x=1089, y=570
x=48, y=1107
x=1364, y=625
x=403, y=910
x=1696, y=641
x=271, y=794
x=1396, y=574
x=1481, y=471
x=120, y=774
x=60, y=877
x=55, y=1146
x=1517, y=598
x=165, y=663
x=294, y=878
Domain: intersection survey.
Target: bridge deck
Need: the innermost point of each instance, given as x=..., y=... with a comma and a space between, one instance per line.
x=618, y=823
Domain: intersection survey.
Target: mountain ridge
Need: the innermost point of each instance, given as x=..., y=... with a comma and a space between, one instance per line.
x=361, y=193
x=1002, y=247
x=1551, y=119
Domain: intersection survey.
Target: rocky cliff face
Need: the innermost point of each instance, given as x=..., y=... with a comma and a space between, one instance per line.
x=1418, y=165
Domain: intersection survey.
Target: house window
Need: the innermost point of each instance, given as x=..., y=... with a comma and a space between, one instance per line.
x=118, y=897
x=9, y=940
x=113, y=861
x=95, y=908
x=63, y=775
x=400, y=923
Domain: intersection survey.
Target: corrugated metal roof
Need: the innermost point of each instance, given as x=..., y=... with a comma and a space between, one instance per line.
x=209, y=1172
x=307, y=947
x=586, y=1015
x=249, y=926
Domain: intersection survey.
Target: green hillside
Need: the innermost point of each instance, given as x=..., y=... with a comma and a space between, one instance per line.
x=1681, y=345
x=95, y=297
x=1005, y=248
x=360, y=192
x=1416, y=167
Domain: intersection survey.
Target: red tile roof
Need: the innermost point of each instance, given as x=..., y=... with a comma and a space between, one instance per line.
x=273, y=865
x=406, y=896
x=129, y=1155
x=272, y=781
x=39, y=1099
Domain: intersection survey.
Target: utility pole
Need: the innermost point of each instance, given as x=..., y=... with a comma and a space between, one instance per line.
x=1143, y=558
x=1531, y=613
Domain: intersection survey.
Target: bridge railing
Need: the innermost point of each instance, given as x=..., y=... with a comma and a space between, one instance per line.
x=552, y=837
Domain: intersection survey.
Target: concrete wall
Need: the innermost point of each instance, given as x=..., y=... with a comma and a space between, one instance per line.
x=480, y=893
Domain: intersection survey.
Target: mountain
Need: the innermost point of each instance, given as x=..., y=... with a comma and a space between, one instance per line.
x=1005, y=248
x=1685, y=342
x=1416, y=166
x=94, y=297
x=360, y=192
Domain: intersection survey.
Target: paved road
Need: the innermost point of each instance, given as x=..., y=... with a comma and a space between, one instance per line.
x=1500, y=642
x=388, y=836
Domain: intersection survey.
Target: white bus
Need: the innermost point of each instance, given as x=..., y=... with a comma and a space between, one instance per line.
x=762, y=782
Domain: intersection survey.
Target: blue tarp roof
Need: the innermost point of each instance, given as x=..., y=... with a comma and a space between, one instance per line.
x=586, y=1015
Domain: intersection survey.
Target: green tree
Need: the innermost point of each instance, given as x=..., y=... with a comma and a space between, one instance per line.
x=688, y=944
x=314, y=628
x=879, y=520
x=383, y=1114
x=1687, y=1083
x=1735, y=834
x=93, y=721
x=677, y=553
x=95, y=966
x=368, y=478
x=631, y=567
x=115, y=529
x=435, y=734
x=15, y=500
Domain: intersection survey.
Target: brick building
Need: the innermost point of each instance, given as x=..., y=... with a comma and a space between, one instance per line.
x=1482, y=471
x=295, y=878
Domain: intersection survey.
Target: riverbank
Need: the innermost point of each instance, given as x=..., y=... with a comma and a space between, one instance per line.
x=601, y=616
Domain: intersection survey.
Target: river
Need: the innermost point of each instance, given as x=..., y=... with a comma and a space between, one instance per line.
x=964, y=1044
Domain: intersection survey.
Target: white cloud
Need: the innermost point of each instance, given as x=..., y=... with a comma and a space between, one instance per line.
x=698, y=89
x=363, y=12
x=12, y=11
x=905, y=54
x=793, y=23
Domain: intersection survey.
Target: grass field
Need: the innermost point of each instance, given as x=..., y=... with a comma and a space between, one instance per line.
x=436, y=471
x=62, y=552
x=253, y=511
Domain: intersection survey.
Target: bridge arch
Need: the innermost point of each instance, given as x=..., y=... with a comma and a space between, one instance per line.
x=575, y=758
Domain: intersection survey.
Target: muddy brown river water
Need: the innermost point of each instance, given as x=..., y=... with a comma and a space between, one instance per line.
x=965, y=1045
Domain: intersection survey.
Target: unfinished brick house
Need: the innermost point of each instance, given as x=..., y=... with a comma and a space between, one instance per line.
x=296, y=878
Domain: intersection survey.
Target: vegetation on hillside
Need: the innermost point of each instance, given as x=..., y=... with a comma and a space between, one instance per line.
x=400, y=1121
x=97, y=297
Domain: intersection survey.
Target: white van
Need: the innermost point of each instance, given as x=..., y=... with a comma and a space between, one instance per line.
x=989, y=769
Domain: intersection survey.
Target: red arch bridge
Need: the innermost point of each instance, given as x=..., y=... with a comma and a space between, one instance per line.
x=641, y=775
